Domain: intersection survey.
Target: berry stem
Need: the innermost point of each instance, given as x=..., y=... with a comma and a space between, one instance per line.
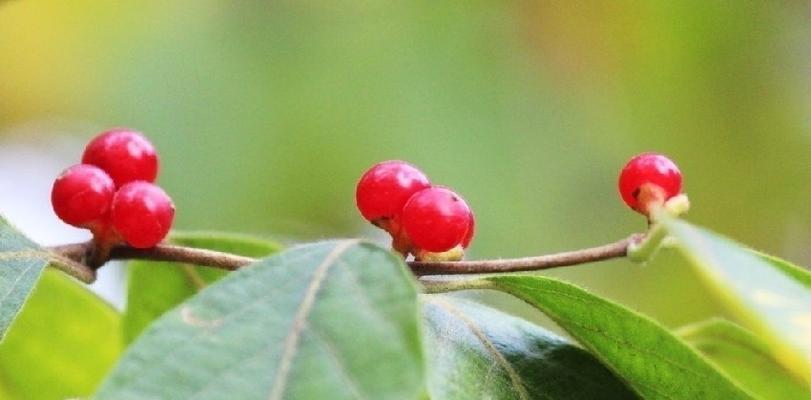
x=641, y=251
x=77, y=253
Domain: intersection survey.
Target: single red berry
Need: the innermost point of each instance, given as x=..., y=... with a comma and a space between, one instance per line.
x=649, y=178
x=436, y=219
x=126, y=155
x=142, y=214
x=386, y=187
x=82, y=195
x=471, y=230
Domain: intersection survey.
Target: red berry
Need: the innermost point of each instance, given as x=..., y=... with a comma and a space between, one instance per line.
x=142, y=214
x=649, y=178
x=126, y=155
x=82, y=195
x=386, y=187
x=471, y=230
x=436, y=219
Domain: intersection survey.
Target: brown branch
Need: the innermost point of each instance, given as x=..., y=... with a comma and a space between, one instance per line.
x=79, y=252
x=188, y=255
x=576, y=257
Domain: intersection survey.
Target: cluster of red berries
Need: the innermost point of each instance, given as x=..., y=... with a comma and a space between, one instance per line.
x=649, y=180
x=421, y=218
x=112, y=194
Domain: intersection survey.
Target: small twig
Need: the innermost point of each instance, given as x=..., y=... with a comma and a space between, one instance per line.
x=188, y=255
x=164, y=252
x=78, y=253
x=600, y=253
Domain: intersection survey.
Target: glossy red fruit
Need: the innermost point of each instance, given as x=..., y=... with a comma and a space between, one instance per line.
x=386, y=187
x=471, y=230
x=82, y=195
x=436, y=219
x=655, y=171
x=125, y=155
x=142, y=214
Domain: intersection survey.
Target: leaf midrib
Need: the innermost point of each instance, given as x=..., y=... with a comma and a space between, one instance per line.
x=606, y=335
x=192, y=339
x=306, y=306
x=515, y=378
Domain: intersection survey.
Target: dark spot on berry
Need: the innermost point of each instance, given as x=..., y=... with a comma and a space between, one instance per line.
x=635, y=193
x=381, y=222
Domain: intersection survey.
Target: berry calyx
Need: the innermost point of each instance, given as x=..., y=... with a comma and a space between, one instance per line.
x=142, y=214
x=648, y=180
x=385, y=188
x=455, y=254
x=126, y=155
x=436, y=219
x=82, y=195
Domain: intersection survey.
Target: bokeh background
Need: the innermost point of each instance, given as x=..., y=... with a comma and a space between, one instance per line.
x=266, y=112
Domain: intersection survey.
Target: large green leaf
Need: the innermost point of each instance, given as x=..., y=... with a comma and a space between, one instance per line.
x=745, y=358
x=332, y=320
x=21, y=263
x=800, y=274
x=156, y=287
x=646, y=355
x=772, y=297
x=476, y=352
x=62, y=344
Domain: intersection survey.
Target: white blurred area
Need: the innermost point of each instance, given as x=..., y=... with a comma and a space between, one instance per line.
x=31, y=157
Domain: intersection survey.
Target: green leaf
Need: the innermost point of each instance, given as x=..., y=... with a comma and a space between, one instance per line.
x=62, y=344
x=332, y=320
x=745, y=358
x=156, y=287
x=771, y=296
x=21, y=263
x=647, y=356
x=476, y=352
x=800, y=274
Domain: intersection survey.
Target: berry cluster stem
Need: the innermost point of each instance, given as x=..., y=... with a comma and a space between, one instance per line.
x=78, y=253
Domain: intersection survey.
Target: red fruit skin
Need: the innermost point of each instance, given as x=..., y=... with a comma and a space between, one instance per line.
x=126, y=155
x=142, y=214
x=386, y=187
x=471, y=231
x=649, y=168
x=82, y=195
x=436, y=219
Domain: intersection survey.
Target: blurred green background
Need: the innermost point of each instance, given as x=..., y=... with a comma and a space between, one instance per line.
x=266, y=113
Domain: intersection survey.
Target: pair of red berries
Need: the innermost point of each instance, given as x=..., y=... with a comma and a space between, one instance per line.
x=112, y=194
x=399, y=198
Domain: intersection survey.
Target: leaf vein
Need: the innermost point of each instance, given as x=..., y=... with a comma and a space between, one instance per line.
x=166, y=356
x=303, y=312
x=23, y=273
x=499, y=358
x=333, y=355
x=623, y=342
x=195, y=280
